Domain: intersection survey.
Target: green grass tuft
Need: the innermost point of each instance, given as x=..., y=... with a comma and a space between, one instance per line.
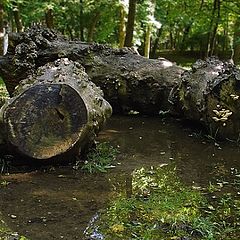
x=100, y=158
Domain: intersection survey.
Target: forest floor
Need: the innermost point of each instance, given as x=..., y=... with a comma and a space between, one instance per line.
x=191, y=168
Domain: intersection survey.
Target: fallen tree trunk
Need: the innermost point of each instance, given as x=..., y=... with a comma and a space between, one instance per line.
x=54, y=111
x=129, y=81
x=207, y=94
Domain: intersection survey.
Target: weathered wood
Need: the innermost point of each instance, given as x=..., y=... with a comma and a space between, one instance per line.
x=129, y=81
x=54, y=110
x=207, y=94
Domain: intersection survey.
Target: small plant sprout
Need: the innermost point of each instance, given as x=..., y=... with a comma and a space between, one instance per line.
x=5, y=183
x=101, y=158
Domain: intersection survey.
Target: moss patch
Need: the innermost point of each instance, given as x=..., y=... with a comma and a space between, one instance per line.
x=161, y=207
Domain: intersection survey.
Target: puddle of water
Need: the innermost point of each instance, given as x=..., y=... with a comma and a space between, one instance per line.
x=58, y=204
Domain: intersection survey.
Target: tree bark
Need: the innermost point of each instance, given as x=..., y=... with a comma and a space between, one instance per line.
x=17, y=18
x=236, y=42
x=54, y=112
x=1, y=30
x=207, y=94
x=129, y=81
x=122, y=28
x=49, y=18
x=130, y=23
x=92, y=26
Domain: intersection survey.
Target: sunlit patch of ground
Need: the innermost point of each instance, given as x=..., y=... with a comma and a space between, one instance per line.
x=161, y=207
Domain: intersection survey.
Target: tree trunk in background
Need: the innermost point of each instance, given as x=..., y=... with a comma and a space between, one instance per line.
x=236, y=42
x=81, y=28
x=54, y=112
x=1, y=29
x=92, y=26
x=3, y=32
x=130, y=23
x=17, y=18
x=215, y=18
x=122, y=26
x=49, y=18
x=215, y=28
x=147, y=44
x=156, y=43
x=1, y=16
x=171, y=40
x=186, y=31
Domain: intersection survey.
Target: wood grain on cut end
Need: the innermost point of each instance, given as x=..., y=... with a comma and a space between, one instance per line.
x=45, y=120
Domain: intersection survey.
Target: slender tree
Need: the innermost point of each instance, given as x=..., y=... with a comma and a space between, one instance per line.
x=81, y=21
x=130, y=23
x=122, y=25
x=236, y=42
x=49, y=18
x=92, y=25
x=150, y=20
x=1, y=28
x=17, y=17
x=215, y=18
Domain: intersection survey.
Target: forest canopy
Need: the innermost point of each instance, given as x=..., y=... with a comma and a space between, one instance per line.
x=198, y=27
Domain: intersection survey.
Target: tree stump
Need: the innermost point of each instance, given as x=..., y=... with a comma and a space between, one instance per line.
x=53, y=111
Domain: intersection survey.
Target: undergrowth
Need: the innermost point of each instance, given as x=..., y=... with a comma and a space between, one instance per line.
x=101, y=158
x=161, y=207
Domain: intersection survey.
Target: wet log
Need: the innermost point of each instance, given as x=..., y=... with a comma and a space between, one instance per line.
x=129, y=81
x=54, y=111
x=207, y=94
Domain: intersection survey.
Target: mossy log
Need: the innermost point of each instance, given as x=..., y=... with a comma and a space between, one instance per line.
x=54, y=111
x=207, y=94
x=129, y=81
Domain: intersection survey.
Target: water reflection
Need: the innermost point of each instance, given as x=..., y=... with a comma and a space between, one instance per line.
x=58, y=204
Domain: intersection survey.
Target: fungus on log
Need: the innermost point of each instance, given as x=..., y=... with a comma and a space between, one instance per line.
x=53, y=111
x=209, y=93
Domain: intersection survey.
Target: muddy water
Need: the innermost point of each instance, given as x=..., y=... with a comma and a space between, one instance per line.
x=58, y=203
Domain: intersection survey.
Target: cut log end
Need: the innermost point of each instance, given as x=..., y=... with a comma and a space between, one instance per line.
x=45, y=120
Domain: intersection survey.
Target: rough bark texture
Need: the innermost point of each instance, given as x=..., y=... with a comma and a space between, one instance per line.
x=208, y=94
x=53, y=111
x=129, y=81
x=130, y=23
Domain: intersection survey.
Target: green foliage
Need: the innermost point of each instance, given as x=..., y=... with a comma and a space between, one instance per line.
x=161, y=207
x=185, y=23
x=100, y=158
